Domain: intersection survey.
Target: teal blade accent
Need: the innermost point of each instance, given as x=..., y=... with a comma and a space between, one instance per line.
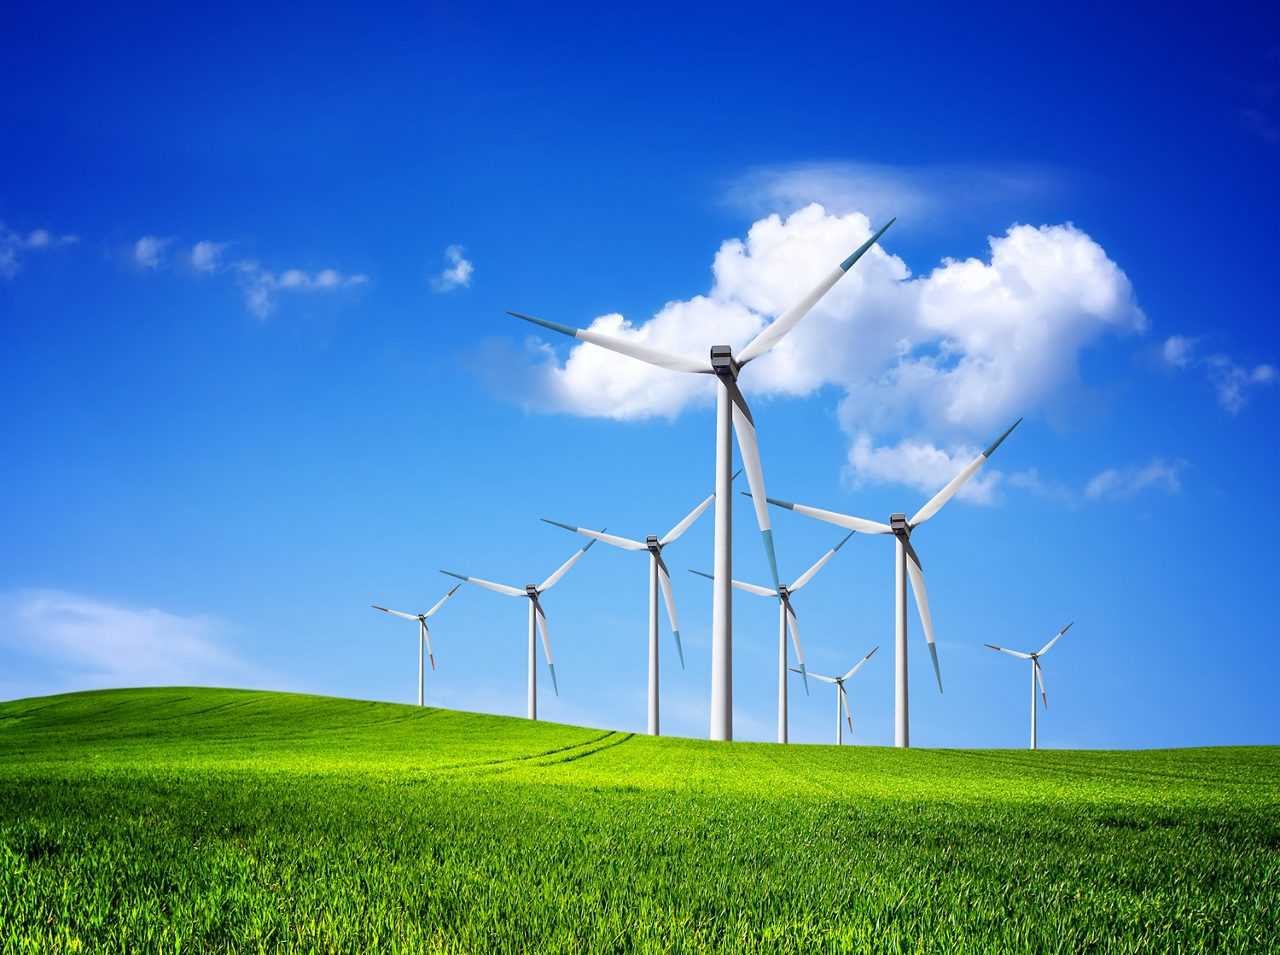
x=848, y=263
x=933, y=652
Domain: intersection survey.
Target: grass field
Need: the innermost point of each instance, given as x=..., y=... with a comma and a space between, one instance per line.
x=223, y=820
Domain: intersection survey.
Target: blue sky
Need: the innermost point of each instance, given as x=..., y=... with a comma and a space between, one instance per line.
x=255, y=371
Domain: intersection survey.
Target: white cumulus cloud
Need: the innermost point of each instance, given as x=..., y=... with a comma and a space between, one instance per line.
x=456, y=274
x=950, y=357
x=206, y=256
x=14, y=246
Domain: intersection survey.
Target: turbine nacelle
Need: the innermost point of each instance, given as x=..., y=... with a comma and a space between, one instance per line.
x=654, y=545
x=531, y=590
x=899, y=524
x=723, y=363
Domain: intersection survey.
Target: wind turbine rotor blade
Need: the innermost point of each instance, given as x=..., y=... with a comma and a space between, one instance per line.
x=808, y=575
x=1055, y=639
x=623, y=542
x=652, y=356
x=832, y=517
x=664, y=580
x=1040, y=680
x=740, y=584
x=685, y=524
x=820, y=678
x=546, y=643
x=745, y=430
x=794, y=626
x=1012, y=653
x=564, y=568
x=489, y=585
x=958, y=481
x=440, y=602
x=858, y=666
x=844, y=699
x=774, y=332
x=397, y=613
x=426, y=636
x=916, y=573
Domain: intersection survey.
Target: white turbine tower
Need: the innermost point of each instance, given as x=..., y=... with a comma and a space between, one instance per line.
x=537, y=620
x=732, y=414
x=906, y=562
x=842, y=695
x=424, y=634
x=1036, y=674
x=658, y=576
x=786, y=621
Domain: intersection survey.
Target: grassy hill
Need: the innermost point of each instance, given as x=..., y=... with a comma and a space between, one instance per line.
x=228, y=820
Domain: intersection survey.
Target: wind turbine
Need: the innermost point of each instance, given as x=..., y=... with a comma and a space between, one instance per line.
x=658, y=575
x=786, y=620
x=424, y=634
x=533, y=592
x=1036, y=674
x=842, y=695
x=906, y=561
x=732, y=414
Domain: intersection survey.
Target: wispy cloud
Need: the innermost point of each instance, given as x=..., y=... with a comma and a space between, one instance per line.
x=15, y=245
x=457, y=273
x=206, y=256
x=263, y=287
x=1157, y=475
x=1231, y=380
x=82, y=642
x=149, y=251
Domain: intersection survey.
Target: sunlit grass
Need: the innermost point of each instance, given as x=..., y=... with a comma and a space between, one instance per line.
x=230, y=820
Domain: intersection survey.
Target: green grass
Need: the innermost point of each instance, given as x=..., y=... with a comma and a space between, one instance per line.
x=225, y=820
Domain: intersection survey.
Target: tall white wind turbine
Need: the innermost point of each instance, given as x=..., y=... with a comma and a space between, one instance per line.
x=733, y=414
x=658, y=576
x=1036, y=674
x=906, y=562
x=537, y=620
x=786, y=621
x=424, y=634
x=842, y=695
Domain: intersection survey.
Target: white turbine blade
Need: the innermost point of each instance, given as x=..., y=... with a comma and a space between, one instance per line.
x=440, y=602
x=564, y=568
x=832, y=517
x=426, y=636
x=844, y=698
x=774, y=332
x=546, y=643
x=624, y=542
x=821, y=562
x=958, y=481
x=858, y=666
x=824, y=679
x=692, y=516
x=1040, y=678
x=794, y=626
x=407, y=616
x=1055, y=639
x=1012, y=653
x=664, y=580
x=741, y=585
x=489, y=585
x=745, y=430
x=916, y=573
x=652, y=356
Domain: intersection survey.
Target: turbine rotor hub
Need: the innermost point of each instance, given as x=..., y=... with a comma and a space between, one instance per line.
x=652, y=543
x=899, y=524
x=722, y=362
x=531, y=590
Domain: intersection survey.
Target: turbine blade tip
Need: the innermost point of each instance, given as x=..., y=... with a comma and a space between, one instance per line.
x=991, y=450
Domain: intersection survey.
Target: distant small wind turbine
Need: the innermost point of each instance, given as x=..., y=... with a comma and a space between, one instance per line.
x=842, y=695
x=658, y=576
x=537, y=620
x=424, y=634
x=786, y=620
x=906, y=561
x=1036, y=674
x=733, y=417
